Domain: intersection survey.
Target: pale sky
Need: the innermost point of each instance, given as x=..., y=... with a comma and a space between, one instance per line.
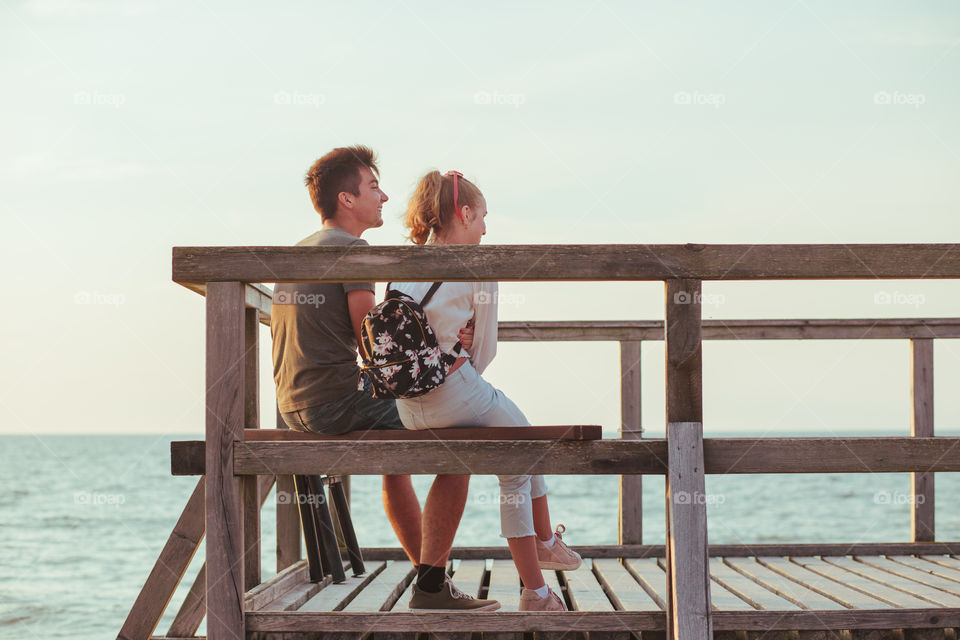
x=132, y=127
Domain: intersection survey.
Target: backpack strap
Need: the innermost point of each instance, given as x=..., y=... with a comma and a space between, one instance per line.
x=433, y=290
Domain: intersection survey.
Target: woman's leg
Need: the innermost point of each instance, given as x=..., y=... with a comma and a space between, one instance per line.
x=524, y=552
x=541, y=518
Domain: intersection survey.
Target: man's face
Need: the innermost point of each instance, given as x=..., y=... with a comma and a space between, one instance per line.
x=368, y=205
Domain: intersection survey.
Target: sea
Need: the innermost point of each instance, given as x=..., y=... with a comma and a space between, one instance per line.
x=83, y=519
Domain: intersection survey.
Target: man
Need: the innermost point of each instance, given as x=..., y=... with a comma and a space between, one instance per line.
x=316, y=334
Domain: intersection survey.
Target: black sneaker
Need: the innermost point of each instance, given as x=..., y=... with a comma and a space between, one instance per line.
x=449, y=598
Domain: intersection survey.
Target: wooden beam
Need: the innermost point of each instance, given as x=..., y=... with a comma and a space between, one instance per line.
x=630, y=530
x=600, y=457
x=256, y=296
x=586, y=621
x=639, y=330
x=565, y=262
x=885, y=454
x=168, y=570
x=563, y=432
x=921, y=425
x=194, y=606
x=288, y=516
x=687, y=562
x=715, y=550
x=251, y=418
x=225, y=414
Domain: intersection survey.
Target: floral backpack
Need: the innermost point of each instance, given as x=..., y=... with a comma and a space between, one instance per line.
x=403, y=357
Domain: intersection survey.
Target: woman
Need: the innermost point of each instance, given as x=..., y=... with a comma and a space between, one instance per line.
x=447, y=209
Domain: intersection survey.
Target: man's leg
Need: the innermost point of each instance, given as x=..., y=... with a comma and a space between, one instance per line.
x=441, y=517
x=403, y=511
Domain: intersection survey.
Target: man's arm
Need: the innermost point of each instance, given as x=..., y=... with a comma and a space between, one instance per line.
x=359, y=302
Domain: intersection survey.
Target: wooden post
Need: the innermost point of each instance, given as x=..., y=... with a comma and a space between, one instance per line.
x=688, y=577
x=921, y=484
x=224, y=424
x=631, y=486
x=251, y=418
x=288, y=517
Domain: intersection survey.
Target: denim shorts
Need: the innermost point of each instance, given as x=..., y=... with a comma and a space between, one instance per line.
x=355, y=412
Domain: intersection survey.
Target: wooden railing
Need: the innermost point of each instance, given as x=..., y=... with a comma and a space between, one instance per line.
x=233, y=493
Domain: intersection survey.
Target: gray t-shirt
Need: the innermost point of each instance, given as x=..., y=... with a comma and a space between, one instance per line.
x=314, y=347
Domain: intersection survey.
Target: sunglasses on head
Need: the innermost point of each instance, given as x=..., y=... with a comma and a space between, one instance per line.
x=456, y=208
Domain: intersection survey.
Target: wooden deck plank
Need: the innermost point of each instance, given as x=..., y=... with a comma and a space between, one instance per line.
x=585, y=593
x=625, y=592
x=723, y=599
x=469, y=576
x=786, y=588
x=888, y=565
x=651, y=578
x=505, y=585
x=945, y=560
x=294, y=598
x=382, y=592
x=929, y=567
x=934, y=597
x=849, y=598
x=754, y=594
x=336, y=596
x=864, y=585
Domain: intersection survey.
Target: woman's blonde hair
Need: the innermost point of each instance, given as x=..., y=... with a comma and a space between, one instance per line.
x=431, y=206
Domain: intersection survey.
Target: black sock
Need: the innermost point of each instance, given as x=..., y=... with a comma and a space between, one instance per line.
x=430, y=578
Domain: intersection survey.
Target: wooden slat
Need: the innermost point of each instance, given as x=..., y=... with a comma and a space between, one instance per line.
x=505, y=585
x=622, y=588
x=933, y=597
x=824, y=586
x=887, y=454
x=651, y=578
x=560, y=432
x=858, y=582
x=224, y=425
x=752, y=329
x=336, y=596
x=564, y=262
x=599, y=457
x=725, y=550
x=930, y=567
x=922, y=484
x=168, y=570
x=268, y=591
x=598, y=621
x=630, y=529
x=945, y=560
x=585, y=593
x=757, y=595
x=296, y=596
x=784, y=587
x=469, y=576
x=830, y=455
x=382, y=592
x=722, y=598
x=950, y=587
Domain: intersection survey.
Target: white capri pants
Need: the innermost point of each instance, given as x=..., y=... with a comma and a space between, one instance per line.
x=467, y=400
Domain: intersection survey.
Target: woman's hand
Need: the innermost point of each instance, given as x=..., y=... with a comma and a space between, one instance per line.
x=466, y=336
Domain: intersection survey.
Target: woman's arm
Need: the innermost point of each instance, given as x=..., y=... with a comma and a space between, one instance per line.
x=485, y=325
